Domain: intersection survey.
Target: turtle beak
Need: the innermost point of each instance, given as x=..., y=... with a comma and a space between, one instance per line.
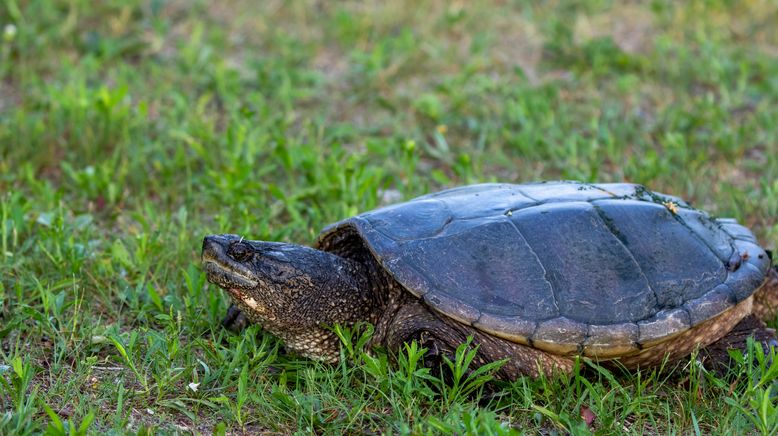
x=220, y=268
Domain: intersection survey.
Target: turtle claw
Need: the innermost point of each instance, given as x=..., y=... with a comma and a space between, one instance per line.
x=235, y=320
x=769, y=347
x=770, y=350
x=433, y=350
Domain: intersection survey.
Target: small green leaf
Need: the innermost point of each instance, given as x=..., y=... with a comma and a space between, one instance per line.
x=119, y=251
x=88, y=419
x=154, y=296
x=119, y=347
x=55, y=427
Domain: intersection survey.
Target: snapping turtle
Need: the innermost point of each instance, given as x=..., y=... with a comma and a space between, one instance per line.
x=535, y=273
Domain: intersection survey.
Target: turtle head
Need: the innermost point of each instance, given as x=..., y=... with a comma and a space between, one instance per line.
x=293, y=291
x=241, y=266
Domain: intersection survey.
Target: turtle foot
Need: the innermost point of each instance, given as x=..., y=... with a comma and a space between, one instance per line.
x=235, y=320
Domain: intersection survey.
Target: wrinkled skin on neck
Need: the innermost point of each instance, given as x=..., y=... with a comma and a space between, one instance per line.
x=294, y=292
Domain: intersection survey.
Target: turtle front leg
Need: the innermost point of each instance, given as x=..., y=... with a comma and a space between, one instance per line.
x=441, y=336
x=766, y=298
x=412, y=321
x=235, y=320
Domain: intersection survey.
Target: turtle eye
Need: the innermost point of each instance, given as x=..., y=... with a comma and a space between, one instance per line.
x=239, y=252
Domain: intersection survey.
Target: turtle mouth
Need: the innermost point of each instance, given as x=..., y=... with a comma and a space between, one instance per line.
x=225, y=277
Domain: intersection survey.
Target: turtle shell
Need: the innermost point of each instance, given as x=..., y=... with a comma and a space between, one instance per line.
x=567, y=267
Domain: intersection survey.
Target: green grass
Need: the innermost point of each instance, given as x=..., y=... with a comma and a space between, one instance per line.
x=130, y=129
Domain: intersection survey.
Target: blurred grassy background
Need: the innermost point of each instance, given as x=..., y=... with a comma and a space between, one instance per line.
x=129, y=129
